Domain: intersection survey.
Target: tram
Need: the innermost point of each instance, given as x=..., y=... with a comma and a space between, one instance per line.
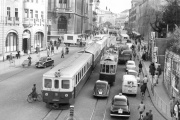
x=108, y=66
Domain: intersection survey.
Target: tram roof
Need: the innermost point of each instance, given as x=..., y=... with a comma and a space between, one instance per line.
x=70, y=66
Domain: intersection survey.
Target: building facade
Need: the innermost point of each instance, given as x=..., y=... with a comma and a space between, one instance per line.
x=22, y=26
x=68, y=17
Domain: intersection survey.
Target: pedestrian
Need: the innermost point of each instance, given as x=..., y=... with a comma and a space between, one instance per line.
x=172, y=104
x=176, y=110
x=150, y=115
x=48, y=52
x=152, y=69
x=18, y=54
x=67, y=50
x=62, y=53
x=159, y=70
x=146, y=117
x=145, y=80
x=155, y=80
x=29, y=58
x=140, y=67
x=141, y=108
x=52, y=49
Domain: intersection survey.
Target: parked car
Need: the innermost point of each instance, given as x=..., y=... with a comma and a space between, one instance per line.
x=44, y=62
x=130, y=65
x=120, y=106
x=135, y=73
x=101, y=89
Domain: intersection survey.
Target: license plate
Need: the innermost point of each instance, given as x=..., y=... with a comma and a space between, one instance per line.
x=120, y=111
x=129, y=90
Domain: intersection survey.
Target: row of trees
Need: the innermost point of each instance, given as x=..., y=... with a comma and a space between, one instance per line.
x=166, y=19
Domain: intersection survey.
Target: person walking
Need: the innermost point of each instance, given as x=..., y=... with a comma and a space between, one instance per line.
x=146, y=117
x=141, y=109
x=140, y=67
x=52, y=49
x=159, y=70
x=155, y=80
x=150, y=115
x=62, y=53
x=48, y=52
x=172, y=104
x=176, y=110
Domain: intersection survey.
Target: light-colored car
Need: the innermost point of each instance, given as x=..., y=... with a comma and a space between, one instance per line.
x=99, y=37
x=129, y=45
x=120, y=106
x=130, y=65
x=135, y=73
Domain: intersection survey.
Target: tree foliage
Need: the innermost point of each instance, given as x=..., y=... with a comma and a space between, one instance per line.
x=107, y=23
x=171, y=14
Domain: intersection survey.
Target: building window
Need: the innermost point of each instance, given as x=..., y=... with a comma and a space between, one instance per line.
x=63, y=3
x=9, y=13
x=36, y=14
x=16, y=13
x=42, y=15
x=11, y=42
x=62, y=23
x=31, y=13
x=26, y=13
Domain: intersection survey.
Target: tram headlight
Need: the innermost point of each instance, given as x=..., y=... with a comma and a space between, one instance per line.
x=66, y=95
x=46, y=94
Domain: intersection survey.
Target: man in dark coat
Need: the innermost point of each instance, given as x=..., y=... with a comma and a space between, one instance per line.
x=159, y=70
x=150, y=115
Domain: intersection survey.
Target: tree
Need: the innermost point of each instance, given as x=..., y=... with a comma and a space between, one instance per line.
x=107, y=23
x=171, y=15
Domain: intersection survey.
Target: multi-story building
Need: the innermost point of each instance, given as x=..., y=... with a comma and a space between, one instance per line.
x=122, y=19
x=22, y=26
x=68, y=17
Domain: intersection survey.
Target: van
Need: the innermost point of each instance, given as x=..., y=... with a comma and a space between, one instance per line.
x=71, y=39
x=129, y=84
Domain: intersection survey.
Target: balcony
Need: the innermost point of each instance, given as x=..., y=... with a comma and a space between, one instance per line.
x=9, y=20
x=61, y=9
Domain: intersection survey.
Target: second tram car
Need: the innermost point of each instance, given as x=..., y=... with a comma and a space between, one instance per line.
x=108, y=66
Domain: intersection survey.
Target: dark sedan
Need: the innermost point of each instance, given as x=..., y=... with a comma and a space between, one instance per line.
x=120, y=106
x=44, y=62
x=101, y=89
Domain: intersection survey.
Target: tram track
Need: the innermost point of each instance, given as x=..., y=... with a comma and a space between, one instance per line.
x=52, y=115
x=98, y=110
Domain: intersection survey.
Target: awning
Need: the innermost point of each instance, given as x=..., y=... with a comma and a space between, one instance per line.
x=124, y=35
x=136, y=33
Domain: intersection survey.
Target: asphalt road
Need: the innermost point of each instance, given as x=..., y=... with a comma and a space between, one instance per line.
x=17, y=84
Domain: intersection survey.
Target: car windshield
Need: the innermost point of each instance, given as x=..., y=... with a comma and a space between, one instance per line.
x=130, y=64
x=120, y=102
x=132, y=73
x=100, y=85
x=42, y=59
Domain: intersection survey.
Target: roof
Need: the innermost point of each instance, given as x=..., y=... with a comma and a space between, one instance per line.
x=129, y=77
x=130, y=61
x=120, y=97
x=125, y=35
x=132, y=71
x=100, y=81
x=70, y=66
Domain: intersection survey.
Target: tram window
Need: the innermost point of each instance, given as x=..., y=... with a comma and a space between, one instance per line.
x=76, y=79
x=56, y=83
x=107, y=68
x=112, y=69
x=47, y=83
x=103, y=68
x=84, y=69
x=65, y=84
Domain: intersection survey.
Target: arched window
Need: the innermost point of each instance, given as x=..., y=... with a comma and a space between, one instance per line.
x=11, y=42
x=62, y=24
x=38, y=39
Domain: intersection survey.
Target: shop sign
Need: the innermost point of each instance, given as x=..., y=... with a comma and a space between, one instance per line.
x=25, y=35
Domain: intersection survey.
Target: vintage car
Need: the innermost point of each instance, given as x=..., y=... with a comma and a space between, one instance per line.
x=130, y=65
x=120, y=106
x=101, y=89
x=44, y=62
x=135, y=73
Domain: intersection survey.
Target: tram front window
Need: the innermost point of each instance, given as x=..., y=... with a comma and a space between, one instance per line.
x=103, y=68
x=112, y=69
x=107, y=69
x=56, y=84
x=65, y=84
x=47, y=83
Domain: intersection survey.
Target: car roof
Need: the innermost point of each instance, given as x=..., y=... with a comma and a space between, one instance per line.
x=100, y=81
x=120, y=97
x=132, y=70
x=129, y=77
x=130, y=61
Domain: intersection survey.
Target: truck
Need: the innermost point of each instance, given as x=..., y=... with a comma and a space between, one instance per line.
x=72, y=39
x=124, y=56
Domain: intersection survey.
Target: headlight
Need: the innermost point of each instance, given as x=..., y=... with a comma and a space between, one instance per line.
x=46, y=94
x=66, y=95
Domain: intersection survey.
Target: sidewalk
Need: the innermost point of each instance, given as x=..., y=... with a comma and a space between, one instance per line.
x=158, y=95
x=5, y=66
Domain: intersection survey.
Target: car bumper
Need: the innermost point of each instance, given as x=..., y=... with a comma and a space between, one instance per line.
x=97, y=95
x=120, y=115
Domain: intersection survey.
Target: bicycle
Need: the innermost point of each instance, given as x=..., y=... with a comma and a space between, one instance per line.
x=30, y=99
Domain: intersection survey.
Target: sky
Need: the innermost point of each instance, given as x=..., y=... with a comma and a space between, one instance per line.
x=115, y=6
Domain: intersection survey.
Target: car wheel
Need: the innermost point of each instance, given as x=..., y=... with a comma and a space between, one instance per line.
x=45, y=65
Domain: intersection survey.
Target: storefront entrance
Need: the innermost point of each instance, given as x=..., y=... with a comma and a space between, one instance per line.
x=26, y=42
